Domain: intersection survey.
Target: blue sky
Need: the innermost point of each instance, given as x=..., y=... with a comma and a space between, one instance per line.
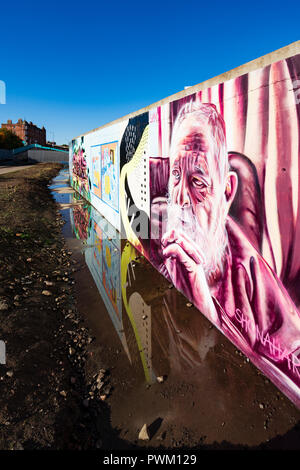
x=73, y=66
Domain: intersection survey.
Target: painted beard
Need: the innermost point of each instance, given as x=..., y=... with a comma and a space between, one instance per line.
x=213, y=245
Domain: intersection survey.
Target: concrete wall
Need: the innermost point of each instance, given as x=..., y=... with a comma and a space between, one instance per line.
x=205, y=184
x=5, y=154
x=37, y=155
x=47, y=155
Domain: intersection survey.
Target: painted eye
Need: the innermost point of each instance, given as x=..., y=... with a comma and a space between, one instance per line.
x=176, y=174
x=198, y=183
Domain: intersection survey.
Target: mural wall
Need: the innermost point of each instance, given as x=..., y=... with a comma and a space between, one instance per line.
x=94, y=162
x=209, y=192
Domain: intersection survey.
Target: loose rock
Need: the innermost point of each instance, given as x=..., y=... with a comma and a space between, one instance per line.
x=160, y=379
x=3, y=305
x=143, y=435
x=46, y=292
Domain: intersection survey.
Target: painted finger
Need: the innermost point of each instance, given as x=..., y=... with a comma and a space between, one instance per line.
x=190, y=246
x=175, y=251
x=168, y=237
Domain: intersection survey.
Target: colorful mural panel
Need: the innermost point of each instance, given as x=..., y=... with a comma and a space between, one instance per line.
x=110, y=175
x=80, y=179
x=134, y=183
x=96, y=170
x=209, y=193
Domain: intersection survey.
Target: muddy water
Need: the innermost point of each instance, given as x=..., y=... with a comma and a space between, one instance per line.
x=169, y=367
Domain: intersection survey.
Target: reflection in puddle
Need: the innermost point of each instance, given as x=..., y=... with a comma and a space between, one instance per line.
x=207, y=382
x=149, y=316
x=142, y=306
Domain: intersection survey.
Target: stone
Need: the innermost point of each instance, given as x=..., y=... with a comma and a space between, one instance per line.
x=107, y=390
x=100, y=375
x=143, y=434
x=46, y=292
x=9, y=373
x=160, y=379
x=3, y=305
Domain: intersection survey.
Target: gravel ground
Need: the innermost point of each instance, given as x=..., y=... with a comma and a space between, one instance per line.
x=45, y=399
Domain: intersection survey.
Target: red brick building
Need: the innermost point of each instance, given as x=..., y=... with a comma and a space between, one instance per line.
x=28, y=132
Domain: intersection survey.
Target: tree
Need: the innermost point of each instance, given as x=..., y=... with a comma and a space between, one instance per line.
x=9, y=140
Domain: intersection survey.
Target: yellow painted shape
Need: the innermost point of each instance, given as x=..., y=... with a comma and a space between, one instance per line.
x=107, y=184
x=128, y=255
x=108, y=257
x=127, y=169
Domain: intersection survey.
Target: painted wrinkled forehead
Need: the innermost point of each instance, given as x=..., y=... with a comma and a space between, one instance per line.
x=194, y=144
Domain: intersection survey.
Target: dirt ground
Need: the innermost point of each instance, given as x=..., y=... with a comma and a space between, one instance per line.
x=43, y=389
x=66, y=383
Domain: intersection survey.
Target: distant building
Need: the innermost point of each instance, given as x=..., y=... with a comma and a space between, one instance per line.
x=27, y=131
x=56, y=146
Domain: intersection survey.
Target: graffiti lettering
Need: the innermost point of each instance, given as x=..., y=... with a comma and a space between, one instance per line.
x=153, y=116
x=242, y=319
x=275, y=349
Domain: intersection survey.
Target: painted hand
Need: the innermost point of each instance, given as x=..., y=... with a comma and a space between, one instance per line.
x=184, y=262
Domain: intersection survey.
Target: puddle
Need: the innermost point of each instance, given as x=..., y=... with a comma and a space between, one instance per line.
x=145, y=330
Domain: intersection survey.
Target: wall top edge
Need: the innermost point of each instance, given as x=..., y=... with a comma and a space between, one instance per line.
x=275, y=56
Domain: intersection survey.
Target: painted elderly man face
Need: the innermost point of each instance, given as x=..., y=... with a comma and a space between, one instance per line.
x=200, y=193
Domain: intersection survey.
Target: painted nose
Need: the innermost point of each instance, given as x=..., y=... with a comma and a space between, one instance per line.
x=183, y=196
